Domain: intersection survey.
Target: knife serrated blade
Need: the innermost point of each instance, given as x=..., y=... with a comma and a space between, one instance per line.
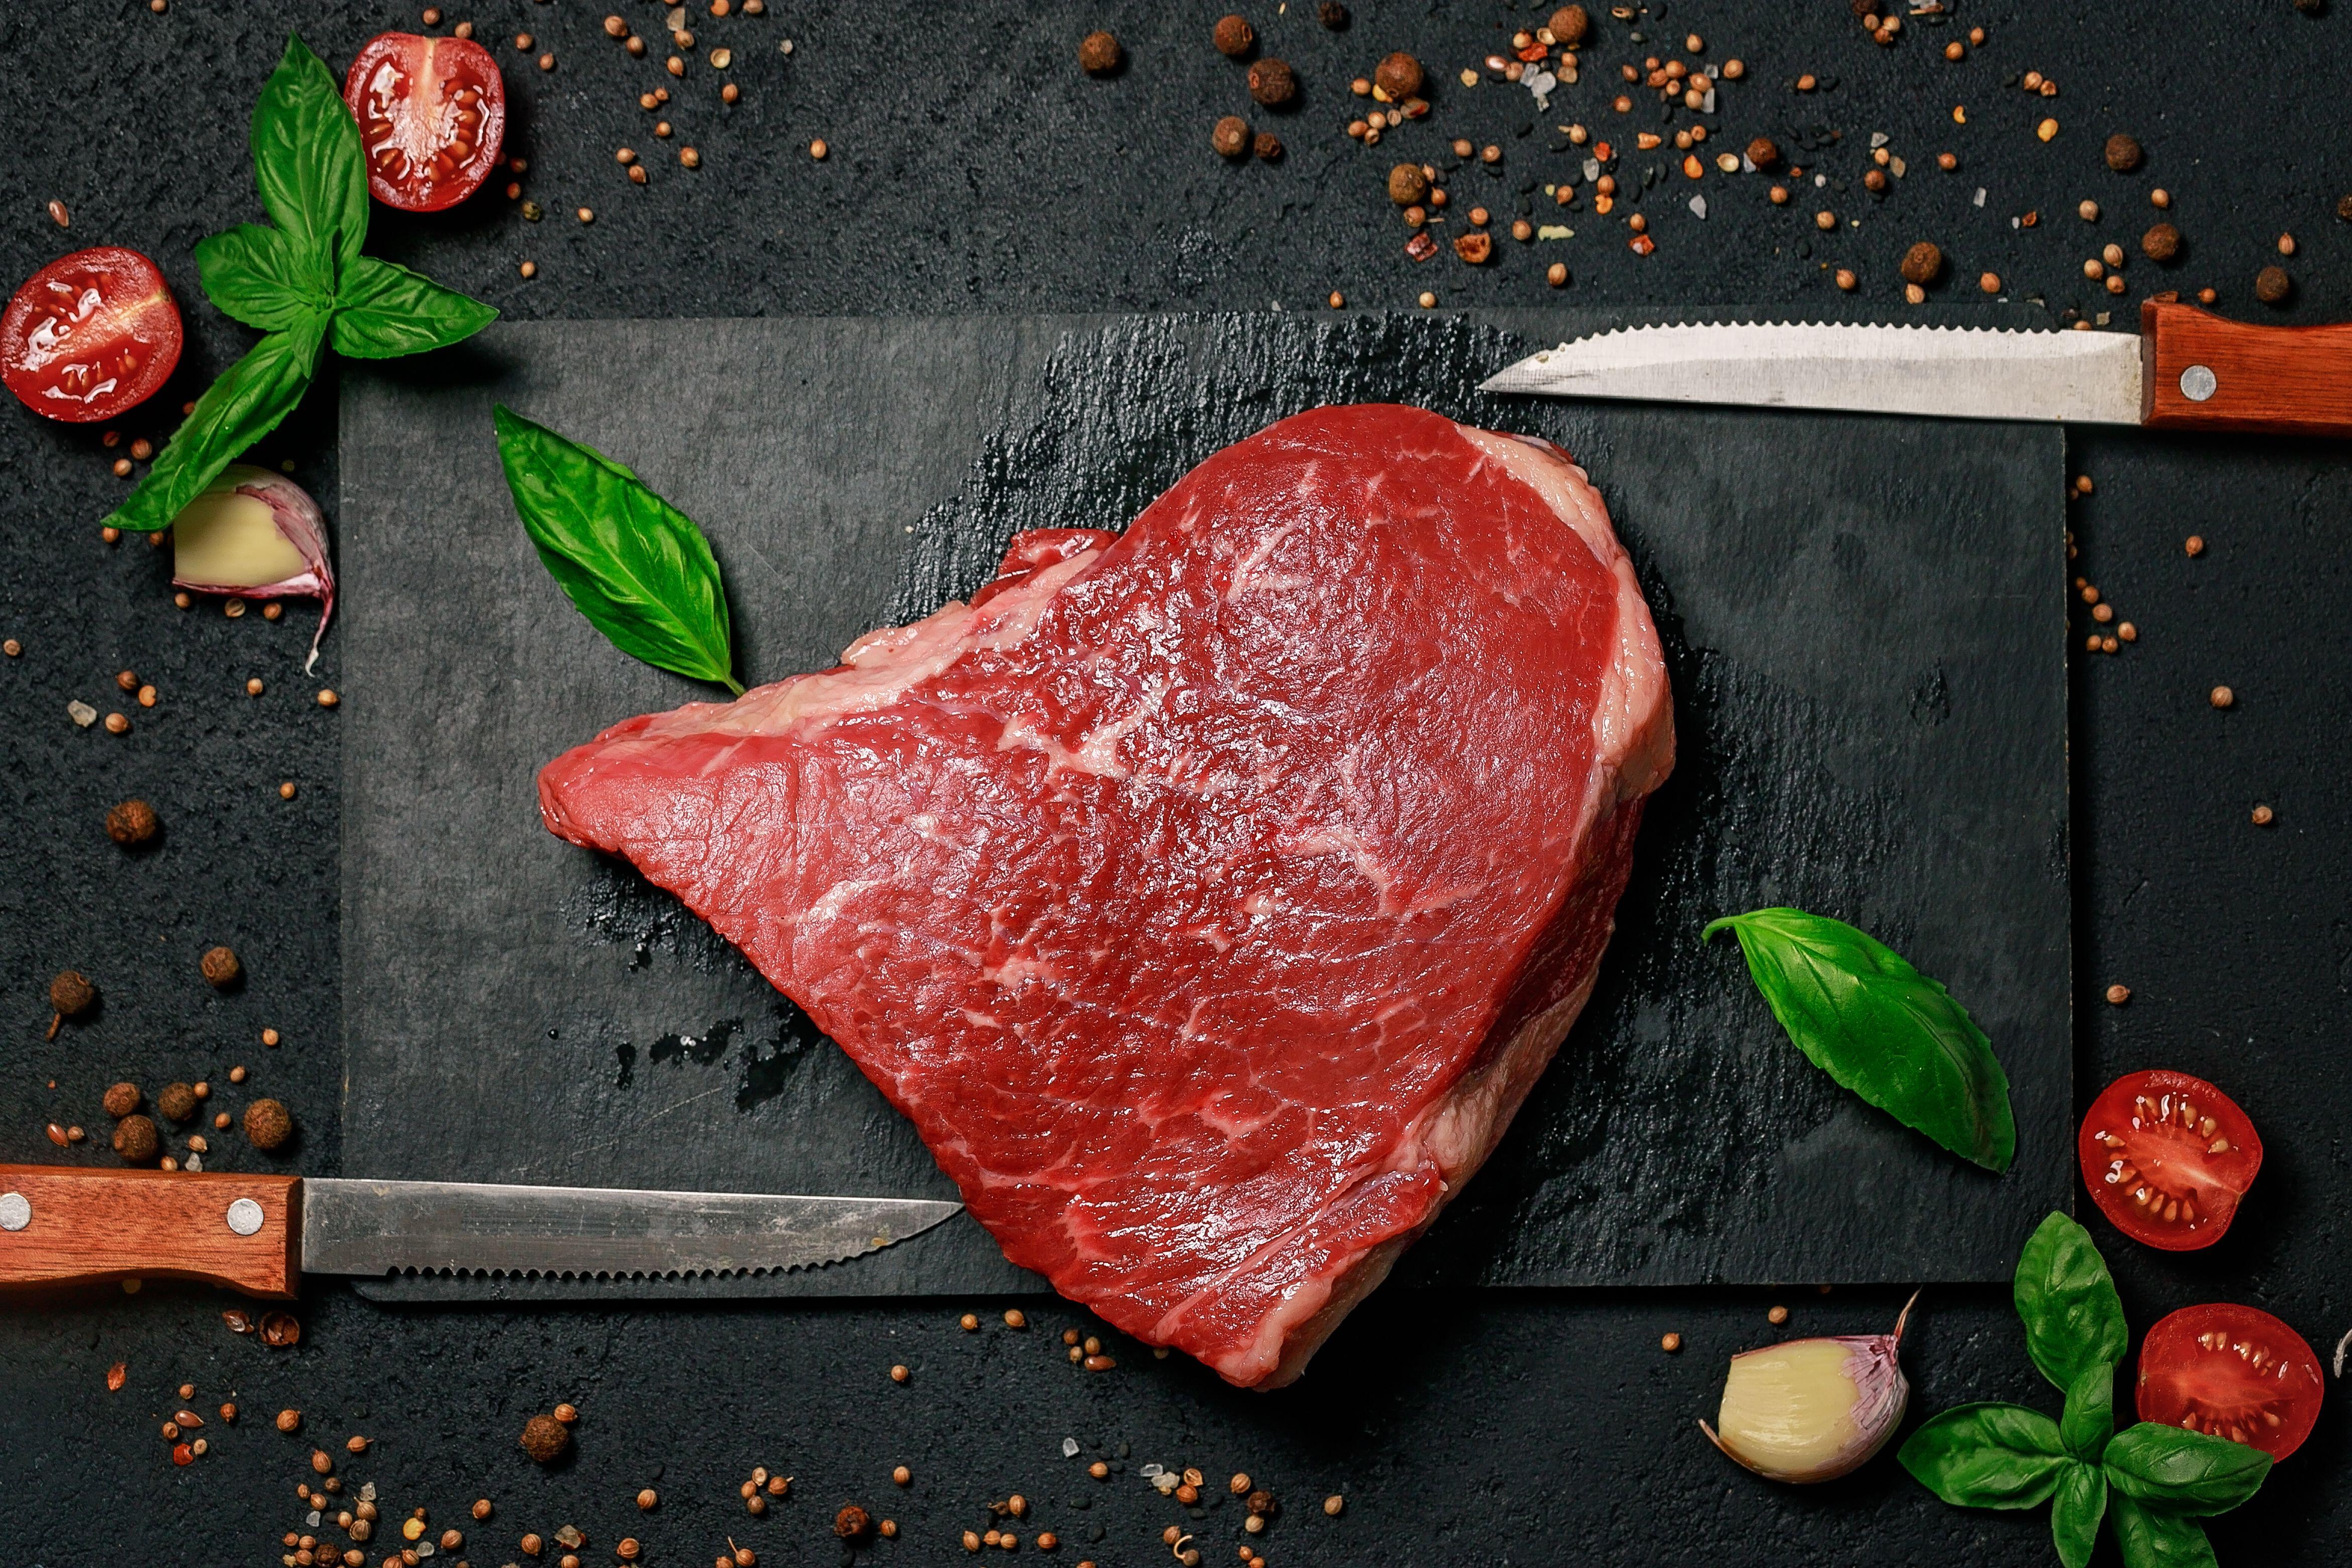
x=1964, y=373
x=372, y=1227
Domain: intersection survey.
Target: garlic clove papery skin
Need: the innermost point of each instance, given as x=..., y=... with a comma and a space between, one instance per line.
x=1814, y=1410
x=256, y=534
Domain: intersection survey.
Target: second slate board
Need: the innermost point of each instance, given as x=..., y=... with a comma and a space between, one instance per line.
x=1864, y=625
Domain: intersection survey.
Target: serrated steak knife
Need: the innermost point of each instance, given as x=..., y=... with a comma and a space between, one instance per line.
x=259, y=1234
x=2186, y=370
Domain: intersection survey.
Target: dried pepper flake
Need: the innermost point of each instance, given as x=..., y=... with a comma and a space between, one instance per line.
x=1421, y=246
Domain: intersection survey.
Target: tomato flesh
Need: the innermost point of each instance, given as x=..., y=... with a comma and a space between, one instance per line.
x=2230, y=1371
x=433, y=118
x=90, y=335
x=2167, y=1156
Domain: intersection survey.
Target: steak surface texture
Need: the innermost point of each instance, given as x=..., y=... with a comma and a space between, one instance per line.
x=1209, y=895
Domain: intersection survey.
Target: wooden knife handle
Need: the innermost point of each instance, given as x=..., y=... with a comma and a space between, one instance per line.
x=2287, y=381
x=60, y=1224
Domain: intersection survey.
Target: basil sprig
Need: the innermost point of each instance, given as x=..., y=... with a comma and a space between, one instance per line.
x=636, y=566
x=1880, y=1028
x=2152, y=1481
x=304, y=283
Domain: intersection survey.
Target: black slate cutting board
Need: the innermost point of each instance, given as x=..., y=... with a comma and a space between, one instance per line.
x=1864, y=624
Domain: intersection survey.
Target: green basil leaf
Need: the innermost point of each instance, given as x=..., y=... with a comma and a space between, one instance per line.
x=383, y=311
x=2179, y=1471
x=240, y=408
x=1986, y=1456
x=2090, y=1417
x=2152, y=1540
x=2075, y=1510
x=1881, y=1028
x=307, y=163
x=260, y=278
x=636, y=566
x=2073, y=1319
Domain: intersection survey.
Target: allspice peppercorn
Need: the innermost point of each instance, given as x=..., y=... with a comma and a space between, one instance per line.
x=2272, y=286
x=136, y=1140
x=1271, y=82
x=851, y=1523
x=177, y=1101
x=2124, y=154
x=131, y=824
x=1407, y=184
x=1764, y=152
x=122, y=1100
x=1399, y=75
x=2162, y=243
x=1570, y=27
x=1922, y=264
x=70, y=995
x=1268, y=147
x=267, y=1125
x=1230, y=136
x=220, y=967
x=1235, y=37
x=1099, y=54
x=544, y=1438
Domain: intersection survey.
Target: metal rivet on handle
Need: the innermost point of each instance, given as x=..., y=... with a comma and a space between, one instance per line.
x=2197, y=383
x=245, y=1216
x=16, y=1212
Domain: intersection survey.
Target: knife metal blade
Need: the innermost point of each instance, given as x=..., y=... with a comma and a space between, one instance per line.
x=380, y=1228
x=1964, y=373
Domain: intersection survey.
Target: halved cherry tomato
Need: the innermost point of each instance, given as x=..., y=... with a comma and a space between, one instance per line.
x=433, y=117
x=2167, y=1157
x=2230, y=1371
x=90, y=335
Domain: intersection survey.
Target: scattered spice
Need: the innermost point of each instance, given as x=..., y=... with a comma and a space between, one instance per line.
x=1268, y=147
x=1776, y=1316
x=70, y=995
x=2263, y=816
x=136, y=1140
x=1671, y=1343
x=279, y=1331
x=1474, y=248
x=1397, y=78
x=177, y=1101
x=220, y=968
x=268, y=1127
x=545, y=1438
x=2223, y=697
x=1099, y=54
x=1334, y=16
x=481, y=1509
x=1408, y=184
x=2160, y=243
x=851, y=1523
x=1235, y=37
x=1271, y=82
x=1764, y=152
x=900, y=1375
x=2118, y=995
x=1230, y=136
x=1569, y=26
x=1922, y=264
x=2273, y=285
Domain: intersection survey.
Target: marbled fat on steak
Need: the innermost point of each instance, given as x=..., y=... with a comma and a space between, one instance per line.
x=1209, y=895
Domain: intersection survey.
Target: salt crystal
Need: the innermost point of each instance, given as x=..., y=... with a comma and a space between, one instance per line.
x=1878, y=138
x=1069, y=1447
x=1698, y=206
x=1979, y=197
x=367, y=1492
x=1706, y=104
x=81, y=714
x=193, y=1163
x=1592, y=168
x=1899, y=167
x=1149, y=1472
x=313, y=1521
x=425, y=1549
x=1820, y=181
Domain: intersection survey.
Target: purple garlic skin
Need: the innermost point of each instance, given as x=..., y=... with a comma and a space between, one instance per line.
x=1812, y=1410
x=256, y=534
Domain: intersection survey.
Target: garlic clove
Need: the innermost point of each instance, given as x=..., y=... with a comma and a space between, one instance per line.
x=256, y=534
x=1812, y=1410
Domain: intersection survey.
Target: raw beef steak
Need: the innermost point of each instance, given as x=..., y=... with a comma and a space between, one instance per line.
x=1209, y=895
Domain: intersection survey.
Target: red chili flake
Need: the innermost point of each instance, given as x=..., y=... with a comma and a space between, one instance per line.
x=1602, y=151
x=115, y=1375
x=1643, y=244
x=239, y=1322
x=1533, y=53
x=280, y=1329
x=1421, y=246
x=182, y=1455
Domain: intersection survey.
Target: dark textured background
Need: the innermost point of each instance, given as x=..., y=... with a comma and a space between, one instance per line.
x=974, y=170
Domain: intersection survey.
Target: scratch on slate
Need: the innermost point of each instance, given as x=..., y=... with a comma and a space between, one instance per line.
x=528, y=1165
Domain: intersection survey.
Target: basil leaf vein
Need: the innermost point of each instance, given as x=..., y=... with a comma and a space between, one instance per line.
x=2090, y=1417
x=307, y=163
x=2175, y=1471
x=242, y=406
x=258, y=276
x=637, y=567
x=2152, y=1540
x=383, y=311
x=1987, y=1455
x=2073, y=1317
x=1880, y=1028
x=2075, y=1510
